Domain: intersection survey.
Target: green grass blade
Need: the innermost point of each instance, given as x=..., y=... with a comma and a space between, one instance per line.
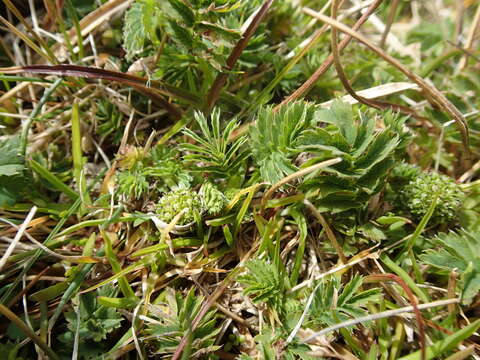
x=73, y=15
x=405, y=277
x=35, y=113
x=77, y=156
x=52, y=179
x=116, y=267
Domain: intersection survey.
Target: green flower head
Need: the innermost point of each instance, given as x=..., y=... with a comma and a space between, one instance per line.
x=418, y=194
x=175, y=201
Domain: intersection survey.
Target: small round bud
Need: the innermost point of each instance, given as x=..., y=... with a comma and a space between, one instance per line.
x=418, y=194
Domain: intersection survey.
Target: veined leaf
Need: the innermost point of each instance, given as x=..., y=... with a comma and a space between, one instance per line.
x=181, y=34
x=184, y=11
x=227, y=33
x=134, y=32
x=367, y=156
x=340, y=114
x=12, y=178
x=11, y=162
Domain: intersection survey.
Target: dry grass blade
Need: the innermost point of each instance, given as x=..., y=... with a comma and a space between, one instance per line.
x=462, y=354
x=25, y=39
x=330, y=235
x=381, y=315
x=391, y=18
x=25, y=23
x=73, y=259
x=433, y=93
x=97, y=17
x=376, y=92
x=27, y=288
x=297, y=175
x=18, y=236
x=472, y=36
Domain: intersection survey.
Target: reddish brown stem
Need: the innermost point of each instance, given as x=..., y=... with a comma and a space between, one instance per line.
x=307, y=85
x=413, y=301
x=156, y=93
x=221, y=78
x=346, y=84
x=27, y=288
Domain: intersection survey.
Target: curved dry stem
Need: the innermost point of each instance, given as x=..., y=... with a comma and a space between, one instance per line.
x=27, y=288
x=307, y=85
x=346, y=84
x=156, y=93
x=431, y=91
x=235, y=55
x=338, y=66
x=382, y=315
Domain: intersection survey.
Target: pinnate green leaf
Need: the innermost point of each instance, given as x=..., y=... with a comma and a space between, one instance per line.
x=458, y=251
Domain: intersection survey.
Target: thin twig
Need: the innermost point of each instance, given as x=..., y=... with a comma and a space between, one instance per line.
x=343, y=76
x=330, y=235
x=335, y=270
x=37, y=278
x=413, y=301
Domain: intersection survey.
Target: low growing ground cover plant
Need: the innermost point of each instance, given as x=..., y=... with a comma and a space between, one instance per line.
x=233, y=179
